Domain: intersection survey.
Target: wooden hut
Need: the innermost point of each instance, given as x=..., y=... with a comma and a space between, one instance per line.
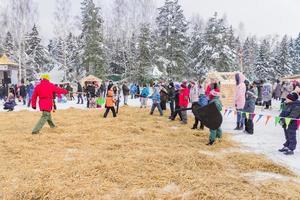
x=8, y=71
x=227, y=80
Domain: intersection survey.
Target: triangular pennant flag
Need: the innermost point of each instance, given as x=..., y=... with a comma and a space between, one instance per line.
x=259, y=118
x=268, y=119
x=288, y=121
x=247, y=115
x=298, y=123
x=277, y=120
x=253, y=116
x=225, y=112
x=230, y=111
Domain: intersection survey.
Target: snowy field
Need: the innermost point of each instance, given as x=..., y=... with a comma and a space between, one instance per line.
x=266, y=140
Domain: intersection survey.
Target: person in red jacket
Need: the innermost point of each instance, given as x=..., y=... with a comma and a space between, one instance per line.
x=44, y=91
x=184, y=101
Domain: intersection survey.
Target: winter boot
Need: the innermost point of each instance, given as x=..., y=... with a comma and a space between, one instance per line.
x=237, y=127
x=210, y=143
x=241, y=127
x=284, y=149
x=289, y=152
x=194, y=127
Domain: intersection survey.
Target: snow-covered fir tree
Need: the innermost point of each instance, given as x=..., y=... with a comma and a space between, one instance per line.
x=262, y=65
x=297, y=55
x=92, y=38
x=172, y=40
x=249, y=54
x=144, y=68
x=8, y=47
x=283, y=61
x=35, y=54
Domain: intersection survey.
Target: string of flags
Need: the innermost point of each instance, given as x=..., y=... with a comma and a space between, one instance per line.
x=258, y=117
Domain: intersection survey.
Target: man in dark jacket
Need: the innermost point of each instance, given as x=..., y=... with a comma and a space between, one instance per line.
x=79, y=93
x=171, y=95
x=176, y=100
x=291, y=111
x=23, y=93
x=90, y=93
x=126, y=91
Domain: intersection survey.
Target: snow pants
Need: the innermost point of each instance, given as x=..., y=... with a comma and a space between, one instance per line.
x=154, y=105
x=291, y=138
x=107, y=111
x=184, y=115
x=46, y=117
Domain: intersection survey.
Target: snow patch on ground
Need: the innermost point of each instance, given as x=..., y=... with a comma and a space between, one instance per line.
x=258, y=176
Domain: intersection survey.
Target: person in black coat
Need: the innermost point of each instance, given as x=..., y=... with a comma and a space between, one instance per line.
x=79, y=93
x=23, y=93
x=171, y=95
x=176, y=100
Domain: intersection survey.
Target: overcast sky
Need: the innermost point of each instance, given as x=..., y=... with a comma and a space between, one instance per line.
x=260, y=17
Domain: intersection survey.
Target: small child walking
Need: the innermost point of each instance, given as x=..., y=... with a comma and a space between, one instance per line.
x=110, y=104
x=218, y=132
x=156, y=101
x=291, y=110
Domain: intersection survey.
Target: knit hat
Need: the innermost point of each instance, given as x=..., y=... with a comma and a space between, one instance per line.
x=292, y=96
x=45, y=76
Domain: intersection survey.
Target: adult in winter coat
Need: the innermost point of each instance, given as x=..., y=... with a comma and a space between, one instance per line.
x=194, y=98
x=23, y=93
x=240, y=99
x=126, y=91
x=163, y=97
x=285, y=90
x=251, y=96
x=184, y=101
x=102, y=90
x=44, y=91
x=291, y=110
x=267, y=95
x=133, y=90
x=144, y=96
x=277, y=90
x=79, y=93
x=176, y=101
x=171, y=96
x=156, y=101
x=29, y=91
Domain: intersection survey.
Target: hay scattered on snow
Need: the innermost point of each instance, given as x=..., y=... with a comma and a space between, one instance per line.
x=135, y=156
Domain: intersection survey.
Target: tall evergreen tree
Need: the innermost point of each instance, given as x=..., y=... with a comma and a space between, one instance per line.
x=172, y=40
x=8, y=47
x=262, y=65
x=92, y=37
x=249, y=54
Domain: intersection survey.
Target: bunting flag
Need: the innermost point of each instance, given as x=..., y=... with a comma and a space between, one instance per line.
x=288, y=121
x=225, y=112
x=253, y=116
x=230, y=111
x=277, y=120
x=268, y=119
x=259, y=118
x=298, y=123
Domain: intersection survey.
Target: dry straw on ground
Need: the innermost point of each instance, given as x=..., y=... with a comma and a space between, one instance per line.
x=135, y=156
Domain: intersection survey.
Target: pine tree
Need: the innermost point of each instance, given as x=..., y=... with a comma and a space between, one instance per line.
x=283, y=64
x=8, y=47
x=172, y=40
x=297, y=54
x=35, y=54
x=262, y=66
x=92, y=37
x=144, y=69
x=250, y=53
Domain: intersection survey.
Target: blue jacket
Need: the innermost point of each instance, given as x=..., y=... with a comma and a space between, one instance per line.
x=155, y=96
x=203, y=101
x=133, y=89
x=145, y=92
x=30, y=90
x=291, y=110
x=251, y=97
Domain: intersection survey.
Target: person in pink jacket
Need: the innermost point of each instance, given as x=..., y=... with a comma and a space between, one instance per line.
x=240, y=99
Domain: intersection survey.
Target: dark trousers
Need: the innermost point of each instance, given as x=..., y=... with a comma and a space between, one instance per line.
x=176, y=112
x=80, y=99
x=29, y=102
x=172, y=107
x=249, y=127
x=291, y=139
x=163, y=105
x=154, y=105
x=107, y=111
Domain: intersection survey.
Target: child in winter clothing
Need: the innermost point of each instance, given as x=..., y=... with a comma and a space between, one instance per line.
x=110, y=104
x=176, y=99
x=184, y=101
x=144, y=96
x=251, y=96
x=240, y=99
x=156, y=101
x=202, y=101
x=292, y=110
x=215, y=133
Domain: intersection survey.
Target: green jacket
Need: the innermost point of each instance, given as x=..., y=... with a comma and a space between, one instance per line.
x=218, y=103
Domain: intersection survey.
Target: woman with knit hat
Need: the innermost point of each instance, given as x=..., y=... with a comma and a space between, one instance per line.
x=44, y=91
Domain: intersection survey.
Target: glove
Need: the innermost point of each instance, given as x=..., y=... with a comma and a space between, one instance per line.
x=34, y=108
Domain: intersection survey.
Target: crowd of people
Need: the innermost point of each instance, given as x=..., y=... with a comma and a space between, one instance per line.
x=177, y=96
